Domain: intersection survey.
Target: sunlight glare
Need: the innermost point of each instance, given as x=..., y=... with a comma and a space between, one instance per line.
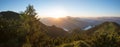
x=56, y=12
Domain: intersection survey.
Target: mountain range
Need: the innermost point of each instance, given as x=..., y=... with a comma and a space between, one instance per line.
x=69, y=23
x=61, y=32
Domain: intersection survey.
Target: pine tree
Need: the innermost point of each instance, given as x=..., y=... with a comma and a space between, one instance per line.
x=30, y=11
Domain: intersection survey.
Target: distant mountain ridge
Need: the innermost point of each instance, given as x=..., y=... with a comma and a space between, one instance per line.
x=76, y=22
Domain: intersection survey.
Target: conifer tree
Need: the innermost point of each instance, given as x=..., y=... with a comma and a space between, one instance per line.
x=30, y=11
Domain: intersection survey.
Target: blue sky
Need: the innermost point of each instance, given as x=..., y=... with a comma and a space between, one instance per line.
x=77, y=8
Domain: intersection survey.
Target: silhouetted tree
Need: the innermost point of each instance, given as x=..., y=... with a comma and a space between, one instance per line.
x=30, y=11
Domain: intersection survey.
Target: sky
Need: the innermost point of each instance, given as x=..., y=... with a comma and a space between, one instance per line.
x=75, y=8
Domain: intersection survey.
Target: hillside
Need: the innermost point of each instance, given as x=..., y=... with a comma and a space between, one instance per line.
x=105, y=27
x=9, y=15
x=17, y=29
x=103, y=35
x=50, y=30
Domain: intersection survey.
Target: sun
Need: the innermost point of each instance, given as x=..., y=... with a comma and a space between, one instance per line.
x=56, y=12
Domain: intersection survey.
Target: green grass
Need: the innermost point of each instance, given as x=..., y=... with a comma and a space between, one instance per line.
x=75, y=44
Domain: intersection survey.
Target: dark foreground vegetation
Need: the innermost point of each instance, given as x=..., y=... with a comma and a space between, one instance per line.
x=25, y=30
